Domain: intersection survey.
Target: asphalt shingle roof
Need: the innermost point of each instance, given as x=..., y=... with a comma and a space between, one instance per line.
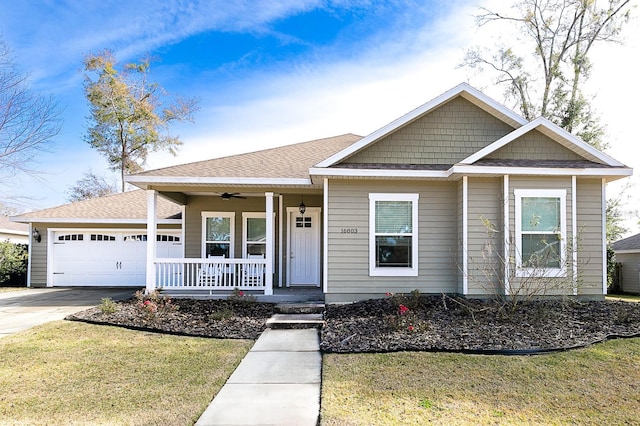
x=629, y=243
x=124, y=206
x=290, y=161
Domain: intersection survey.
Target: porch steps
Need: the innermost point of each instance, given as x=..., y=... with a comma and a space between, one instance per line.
x=297, y=316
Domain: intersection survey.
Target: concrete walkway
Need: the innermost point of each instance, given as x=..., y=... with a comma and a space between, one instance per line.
x=23, y=309
x=277, y=383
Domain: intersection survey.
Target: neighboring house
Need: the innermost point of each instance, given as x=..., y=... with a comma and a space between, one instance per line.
x=628, y=255
x=415, y=205
x=17, y=233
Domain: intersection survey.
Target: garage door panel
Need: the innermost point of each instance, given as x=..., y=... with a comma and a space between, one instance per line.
x=106, y=258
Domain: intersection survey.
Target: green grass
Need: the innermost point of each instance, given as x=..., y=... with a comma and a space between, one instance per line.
x=624, y=297
x=597, y=385
x=65, y=373
x=7, y=289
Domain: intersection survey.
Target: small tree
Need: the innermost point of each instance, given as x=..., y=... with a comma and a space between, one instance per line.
x=488, y=271
x=558, y=35
x=90, y=186
x=128, y=117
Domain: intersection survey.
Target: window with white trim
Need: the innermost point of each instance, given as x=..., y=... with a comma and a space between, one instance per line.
x=218, y=234
x=393, y=234
x=254, y=238
x=541, y=231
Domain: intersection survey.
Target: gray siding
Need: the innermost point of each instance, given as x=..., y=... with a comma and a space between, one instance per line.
x=446, y=135
x=630, y=271
x=534, y=146
x=348, y=262
x=590, y=236
x=485, y=236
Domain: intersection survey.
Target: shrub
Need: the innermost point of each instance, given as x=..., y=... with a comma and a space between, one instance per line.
x=154, y=304
x=240, y=296
x=13, y=262
x=108, y=306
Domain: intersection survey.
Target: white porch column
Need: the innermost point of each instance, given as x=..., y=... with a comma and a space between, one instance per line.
x=152, y=225
x=268, y=290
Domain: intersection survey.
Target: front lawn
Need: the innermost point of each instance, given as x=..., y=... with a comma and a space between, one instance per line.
x=624, y=297
x=74, y=373
x=597, y=385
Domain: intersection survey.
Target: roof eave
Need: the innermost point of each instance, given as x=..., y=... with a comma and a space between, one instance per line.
x=94, y=221
x=611, y=173
x=144, y=182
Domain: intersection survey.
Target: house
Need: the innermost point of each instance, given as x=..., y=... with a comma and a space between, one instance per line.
x=627, y=253
x=432, y=201
x=17, y=233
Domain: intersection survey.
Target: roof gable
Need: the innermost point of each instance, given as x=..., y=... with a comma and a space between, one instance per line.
x=464, y=90
x=446, y=135
x=553, y=132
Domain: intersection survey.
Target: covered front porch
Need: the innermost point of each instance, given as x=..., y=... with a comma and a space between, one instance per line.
x=260, y=243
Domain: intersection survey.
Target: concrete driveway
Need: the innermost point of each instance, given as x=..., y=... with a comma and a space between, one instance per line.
x=20, y=310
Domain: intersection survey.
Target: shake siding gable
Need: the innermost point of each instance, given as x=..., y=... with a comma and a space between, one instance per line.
x=447, y=135
x=534, y=146
x=348, y=262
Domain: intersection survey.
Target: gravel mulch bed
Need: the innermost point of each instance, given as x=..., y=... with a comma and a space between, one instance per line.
x=224, y=319
x=461, y=325
x=424, y=323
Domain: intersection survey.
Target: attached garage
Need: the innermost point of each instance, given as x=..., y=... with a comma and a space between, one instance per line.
x=100, y=241
x=104, y=257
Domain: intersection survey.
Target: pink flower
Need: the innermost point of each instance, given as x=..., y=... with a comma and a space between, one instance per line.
x=410, y=328
x=241, y=293
x=389, y=294
x=403, y=309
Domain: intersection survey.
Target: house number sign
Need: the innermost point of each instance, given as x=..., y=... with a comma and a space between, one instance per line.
x=348, y=230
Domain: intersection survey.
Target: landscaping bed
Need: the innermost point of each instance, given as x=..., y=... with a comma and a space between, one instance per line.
x=397, y=323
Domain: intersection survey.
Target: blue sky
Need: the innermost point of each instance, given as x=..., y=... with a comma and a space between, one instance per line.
x=269, y=72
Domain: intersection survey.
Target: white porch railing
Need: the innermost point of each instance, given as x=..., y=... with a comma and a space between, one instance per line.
x=210, y=274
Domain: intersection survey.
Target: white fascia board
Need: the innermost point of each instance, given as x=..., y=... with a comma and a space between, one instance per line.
x=540, y=171
x=421, y=110
x=178, y=180
x=336, y=172
x=98, y=221
x=542, y=122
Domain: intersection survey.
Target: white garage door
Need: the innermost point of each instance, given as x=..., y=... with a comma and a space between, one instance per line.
x=104, y=258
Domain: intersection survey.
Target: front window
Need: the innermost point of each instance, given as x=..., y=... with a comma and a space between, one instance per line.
x=540, y=232
x=393, y=245
x=218, y=231
x=255, y=234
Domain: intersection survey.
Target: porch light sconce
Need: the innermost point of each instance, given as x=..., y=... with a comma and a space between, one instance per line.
x=36, y=235
x=302, y=207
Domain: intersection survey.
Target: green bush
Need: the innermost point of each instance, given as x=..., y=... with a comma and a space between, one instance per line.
x=13, y=262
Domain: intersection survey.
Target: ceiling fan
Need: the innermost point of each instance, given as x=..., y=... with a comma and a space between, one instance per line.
x=227, y=195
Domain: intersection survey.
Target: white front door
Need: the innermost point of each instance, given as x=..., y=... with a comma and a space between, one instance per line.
x=304, y=247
